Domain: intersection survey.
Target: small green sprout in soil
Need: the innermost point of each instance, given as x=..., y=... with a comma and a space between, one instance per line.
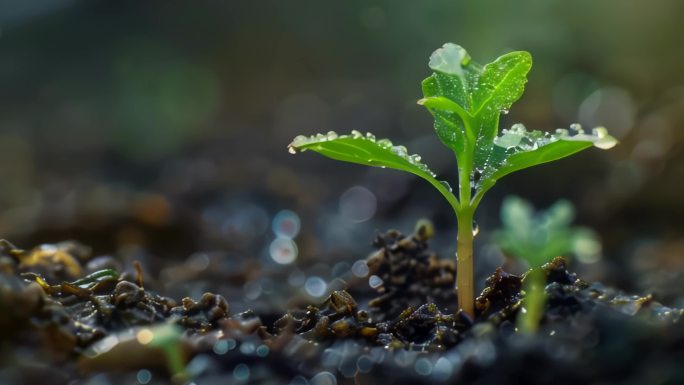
x=466, y=100
x=537, y=238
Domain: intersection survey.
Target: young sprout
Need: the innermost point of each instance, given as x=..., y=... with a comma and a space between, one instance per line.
x=536, y=238
x=466, y=100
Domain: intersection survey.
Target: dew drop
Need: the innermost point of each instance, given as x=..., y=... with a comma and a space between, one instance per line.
x=360, y=268
x=364, y=363
x=241, y=372
x=476, y=229
x=415, y=158
x=519, y=128
x=291, y=150
x=283, y=250
x=576, y=128
x=606, y=143
x=375, y=282
x=443, y=369
x=400, y=150
x=144, y=376
x=505, y=112
x=384, y=143
x=423, y=366
x=562, y=132
x=324, y=378
x=315, y=286
x=356, y=134
x=370, y=136
x=446, y=184
x=331, y=135
x=286, y=224
x=221, y=347
x=262, y=350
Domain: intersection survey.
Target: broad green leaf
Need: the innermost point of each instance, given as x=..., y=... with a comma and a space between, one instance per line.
x=366, y=150
x=502, y=82
x=455, y=74
x=517, y=149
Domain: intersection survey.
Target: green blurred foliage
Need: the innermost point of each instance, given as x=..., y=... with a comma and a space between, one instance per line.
x=539, y=237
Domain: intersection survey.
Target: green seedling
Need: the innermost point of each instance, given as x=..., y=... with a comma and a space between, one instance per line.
x=536, y=238
x=168, y=338
x=466, y=101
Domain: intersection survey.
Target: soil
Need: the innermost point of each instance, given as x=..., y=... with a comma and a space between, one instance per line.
x=67, y=317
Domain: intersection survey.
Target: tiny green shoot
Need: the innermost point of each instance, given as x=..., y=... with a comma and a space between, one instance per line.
x=167, y=337
x=466, y=100
x=537, y=238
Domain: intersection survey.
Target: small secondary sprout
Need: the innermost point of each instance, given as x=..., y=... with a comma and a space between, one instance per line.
x=537, y=238
x=466, y=100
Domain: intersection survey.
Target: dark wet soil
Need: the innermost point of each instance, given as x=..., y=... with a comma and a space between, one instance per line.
x=67, y=318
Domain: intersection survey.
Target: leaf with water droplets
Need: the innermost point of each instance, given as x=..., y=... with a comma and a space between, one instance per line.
x=517, y=148
x=366, y=150
x=502, y=82
x=447, y=93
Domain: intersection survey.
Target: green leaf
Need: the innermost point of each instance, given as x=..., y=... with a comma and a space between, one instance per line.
x=366, y=150
x=502, y=82
x=517, y=149
x=537, y=237
x=455, y=74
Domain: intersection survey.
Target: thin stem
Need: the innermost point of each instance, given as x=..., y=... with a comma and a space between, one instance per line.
x=534, y=303
x=464, y=263
x=465, y=289
x=176, y=363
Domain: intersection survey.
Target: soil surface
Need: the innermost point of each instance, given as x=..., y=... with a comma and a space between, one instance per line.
x=67, y=317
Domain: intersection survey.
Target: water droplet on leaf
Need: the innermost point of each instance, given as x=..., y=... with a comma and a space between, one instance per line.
x=400, y=150
x=561, y=132
x=331, y=135
x=446, y=184
x=384, y=143
x=576, y=128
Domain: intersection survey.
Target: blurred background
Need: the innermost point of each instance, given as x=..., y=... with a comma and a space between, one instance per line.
x=157, y=131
